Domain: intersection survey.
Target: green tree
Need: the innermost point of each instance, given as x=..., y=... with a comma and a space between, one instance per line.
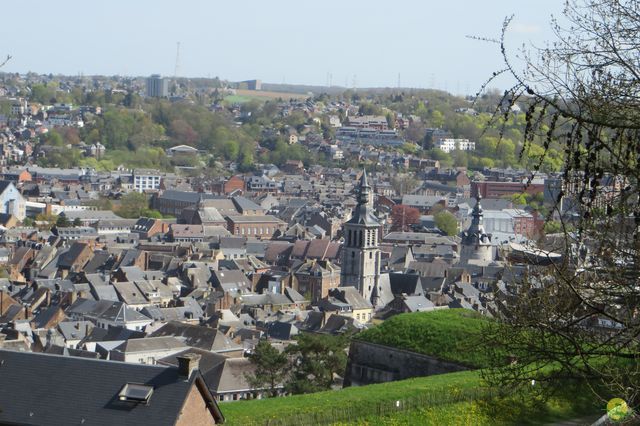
x=271, y=368
x=316, y=358
x=77, y=221
x=552, y=227
x=446, y=222
x=404, y=183
x=63, y=221
x=437, y=119
x=133, y=205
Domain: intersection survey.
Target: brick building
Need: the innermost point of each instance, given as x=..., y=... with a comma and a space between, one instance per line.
x=489, y=189
x=263, y=227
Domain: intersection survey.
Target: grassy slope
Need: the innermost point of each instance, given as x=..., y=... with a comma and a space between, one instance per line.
x=456, y=398
x=451, y=335
x=361, y=405
x=261, y=411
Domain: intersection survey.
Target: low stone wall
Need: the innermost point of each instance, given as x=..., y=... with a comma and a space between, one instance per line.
x=372, y=363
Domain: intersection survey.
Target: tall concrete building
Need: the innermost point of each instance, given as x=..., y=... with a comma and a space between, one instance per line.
x=360, y=252
x=157, y=87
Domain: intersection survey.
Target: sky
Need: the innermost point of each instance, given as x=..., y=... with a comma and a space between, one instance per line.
x=352, y=43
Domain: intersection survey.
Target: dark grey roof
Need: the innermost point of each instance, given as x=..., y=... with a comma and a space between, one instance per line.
x=49, y=389
x=3, y=185
x=112, y=334
x=184, y=196
x=405, y=284
x=197, y=336
x=282, y=330
x=246, y=204
x=45, y=316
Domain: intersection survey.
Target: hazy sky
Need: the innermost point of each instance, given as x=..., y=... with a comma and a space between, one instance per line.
x=292, y=41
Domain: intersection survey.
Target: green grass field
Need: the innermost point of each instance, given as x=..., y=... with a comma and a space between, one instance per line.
x=446, y=399
x=449, y=334
x=242, y=96
x=237, y=99
x=354, y=402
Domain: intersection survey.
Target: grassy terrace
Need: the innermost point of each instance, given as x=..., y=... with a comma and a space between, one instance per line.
x=456, y=398
x=447, y=399
x=449, y=334
x=350, y=403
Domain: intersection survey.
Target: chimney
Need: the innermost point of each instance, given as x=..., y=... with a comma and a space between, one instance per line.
x=187, y=363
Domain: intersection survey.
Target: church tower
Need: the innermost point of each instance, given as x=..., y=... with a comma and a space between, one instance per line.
x=360, y=251
x=476, y=243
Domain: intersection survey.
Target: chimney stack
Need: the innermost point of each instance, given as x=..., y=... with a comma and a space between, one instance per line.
x=187, y=363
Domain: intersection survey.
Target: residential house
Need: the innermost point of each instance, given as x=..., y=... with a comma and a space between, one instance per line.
x=106, y=392
x=106, y=313
x=11, y=201
x=347, y=301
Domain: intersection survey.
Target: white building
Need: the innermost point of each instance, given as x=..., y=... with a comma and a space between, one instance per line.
x=157, y=87
x=450, y=144
x=144, y=179
x=11, y=201
x=336, y=152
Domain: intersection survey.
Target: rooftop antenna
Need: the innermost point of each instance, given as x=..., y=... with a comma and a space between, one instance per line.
x=177, y=67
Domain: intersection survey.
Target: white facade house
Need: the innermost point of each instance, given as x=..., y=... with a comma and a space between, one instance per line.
x=146, y=180
x=450, y=144
x=336, y=152
x=11, y=201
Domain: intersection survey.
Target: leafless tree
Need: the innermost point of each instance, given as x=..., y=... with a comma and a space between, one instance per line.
x=579, y=319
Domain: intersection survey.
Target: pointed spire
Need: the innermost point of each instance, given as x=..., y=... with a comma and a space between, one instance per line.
x=363, y=178
x=363, y=190
x=477, y=210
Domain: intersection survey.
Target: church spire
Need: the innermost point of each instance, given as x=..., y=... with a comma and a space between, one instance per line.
x=476, y=222
x=476, y=243
x=364, y=188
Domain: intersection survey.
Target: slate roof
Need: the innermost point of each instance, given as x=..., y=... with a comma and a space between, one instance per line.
x=68, y=259
x=350, y=296
x=105, y=309
x=222, y=374
x=54, y=393
x=182, y=196
x=233, y=280
x=4, y=184
x=149, y=344
x=405, y=284
x=197, y=336
x=245, y=204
